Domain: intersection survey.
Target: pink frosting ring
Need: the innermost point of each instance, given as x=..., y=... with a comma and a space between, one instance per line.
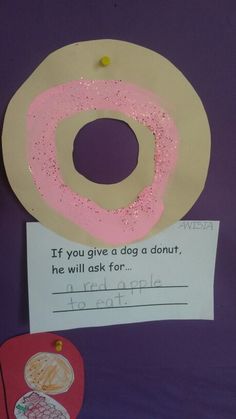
x=48, y=109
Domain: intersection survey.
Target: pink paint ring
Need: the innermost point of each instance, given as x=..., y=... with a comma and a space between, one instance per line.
x=122, y=225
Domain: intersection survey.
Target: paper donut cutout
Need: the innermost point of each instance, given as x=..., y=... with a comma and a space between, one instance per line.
x=49, y=373
x=35, y=405
x=157, y=96
x=117, y=226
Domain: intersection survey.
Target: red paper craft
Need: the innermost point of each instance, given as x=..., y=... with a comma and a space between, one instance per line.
x=14, y=355
x=3, y=411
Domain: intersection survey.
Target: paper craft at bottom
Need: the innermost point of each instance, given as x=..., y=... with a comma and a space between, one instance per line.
x=37, y=381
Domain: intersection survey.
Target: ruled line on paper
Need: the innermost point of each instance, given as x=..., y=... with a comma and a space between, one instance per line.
x=112, y=307
x=119, y=289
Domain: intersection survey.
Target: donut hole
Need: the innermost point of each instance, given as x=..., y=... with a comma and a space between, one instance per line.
x=105, y=151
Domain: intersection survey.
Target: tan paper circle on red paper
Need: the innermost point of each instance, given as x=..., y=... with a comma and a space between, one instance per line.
x=144, y=69
x=49, y=373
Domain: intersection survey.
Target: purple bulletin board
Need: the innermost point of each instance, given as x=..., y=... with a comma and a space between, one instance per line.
x=156, y=370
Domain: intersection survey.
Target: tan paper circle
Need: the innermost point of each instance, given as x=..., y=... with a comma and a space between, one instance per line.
x=139, y=66
x=49, y=373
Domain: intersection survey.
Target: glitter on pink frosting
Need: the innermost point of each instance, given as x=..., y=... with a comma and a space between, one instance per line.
x=122, y=225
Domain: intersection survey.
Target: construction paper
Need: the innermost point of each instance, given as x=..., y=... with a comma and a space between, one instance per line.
x=169, y=276
x=14, y=355
x=2, y=399
x=156, y=74
x=50, y=373
x=116, y=226
x=35, y=405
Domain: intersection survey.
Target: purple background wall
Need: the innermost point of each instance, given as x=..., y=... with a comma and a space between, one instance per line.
x=159, y=370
